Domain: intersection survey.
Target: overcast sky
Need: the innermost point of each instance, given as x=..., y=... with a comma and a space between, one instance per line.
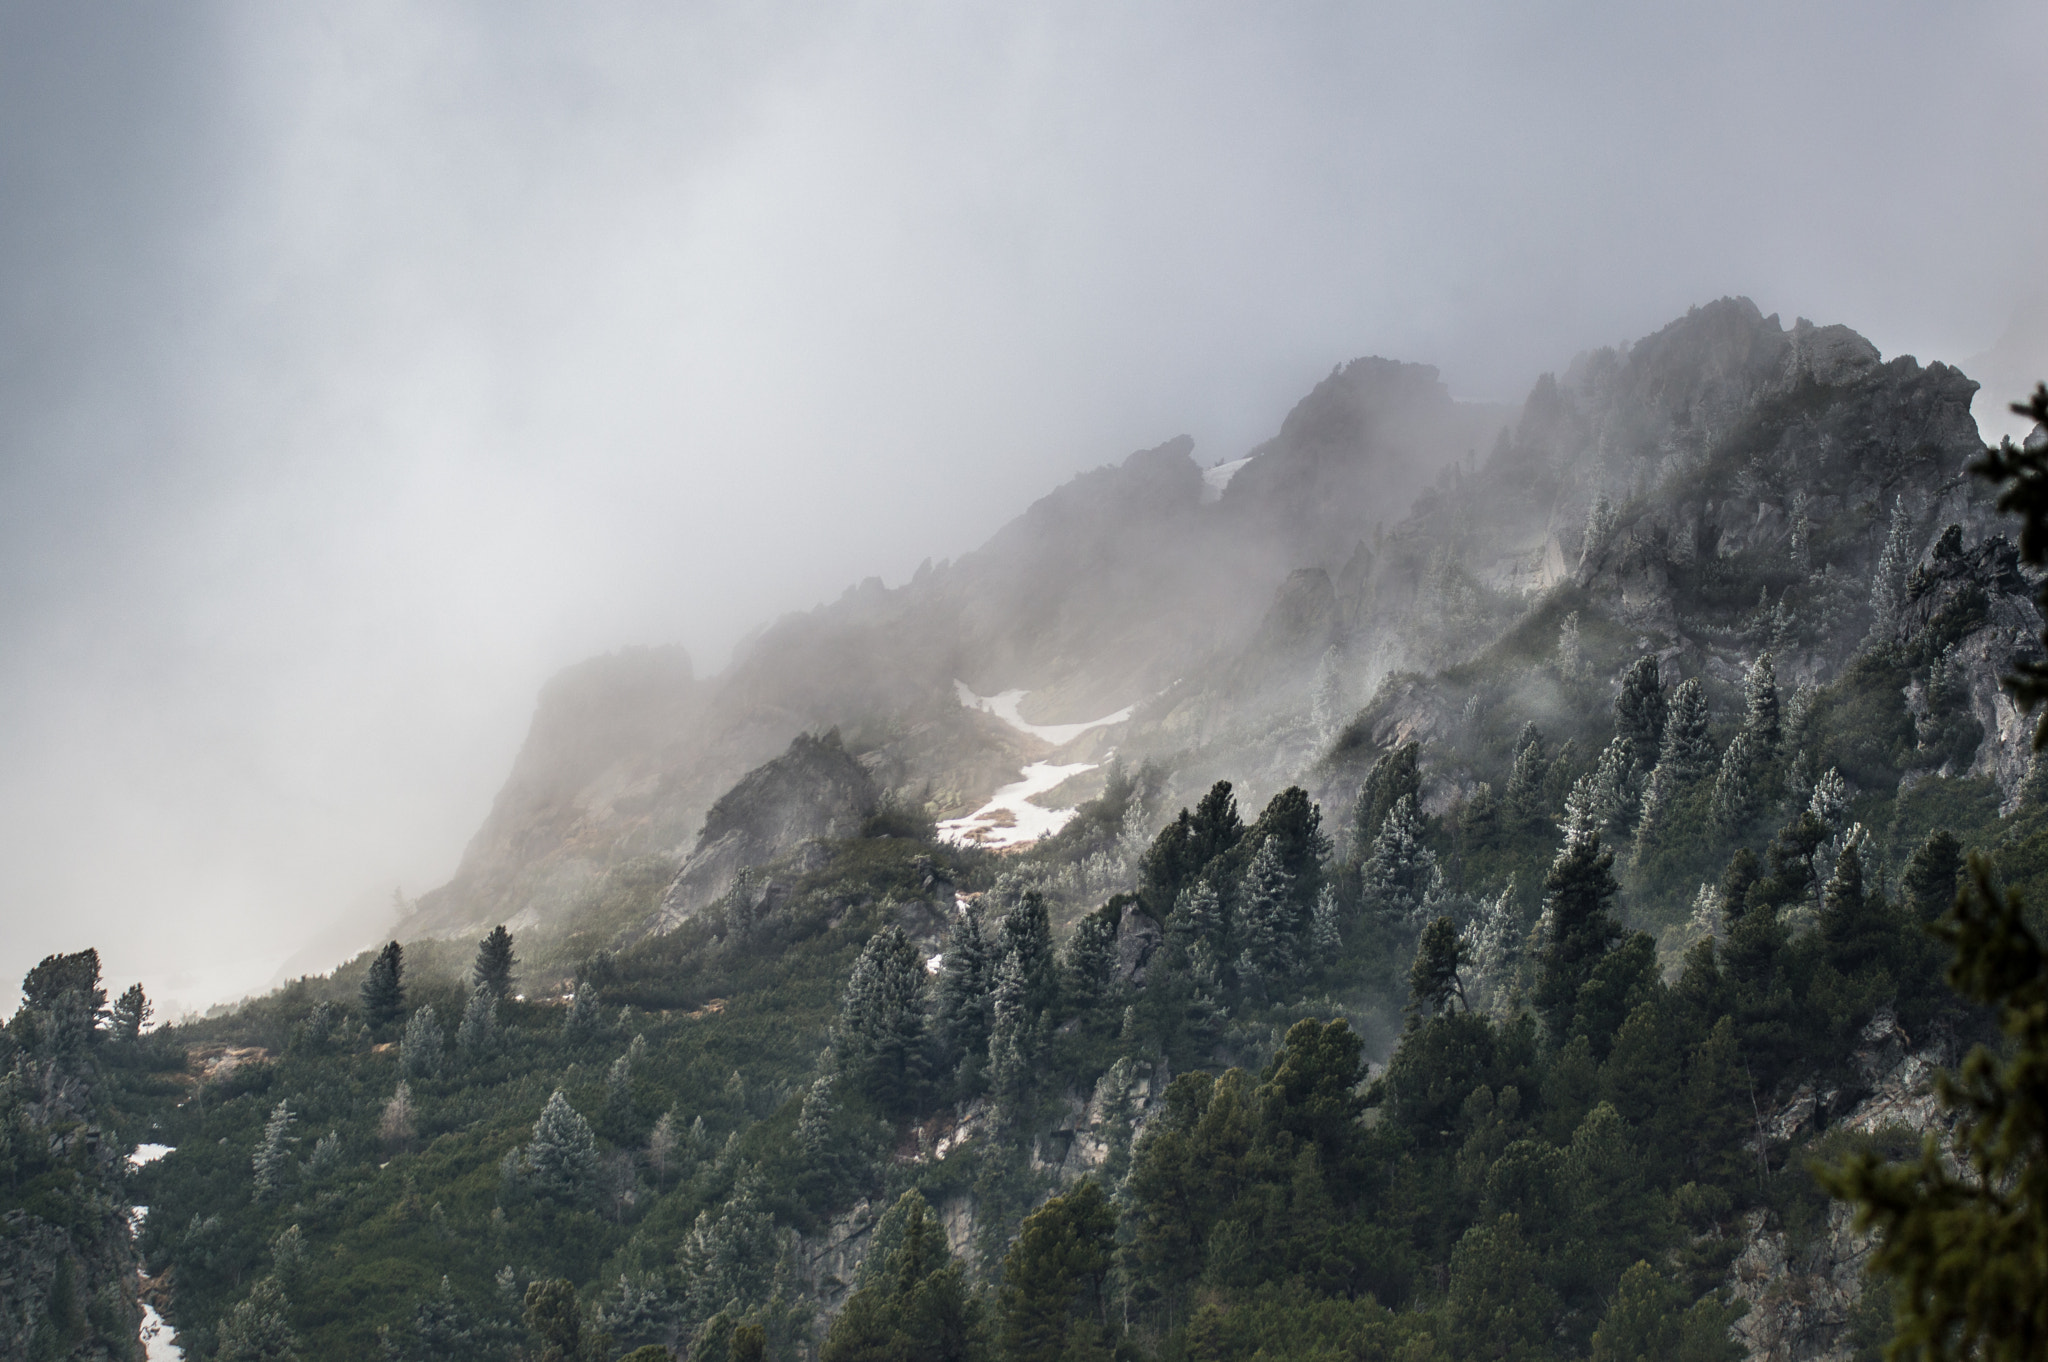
x=359, y=369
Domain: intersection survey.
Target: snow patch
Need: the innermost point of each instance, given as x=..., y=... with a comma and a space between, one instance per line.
x=1004, y=707
x=147, y=1153
x=1214, y=480
x=934, y=963
x=159, y=1340
x=1010, y=819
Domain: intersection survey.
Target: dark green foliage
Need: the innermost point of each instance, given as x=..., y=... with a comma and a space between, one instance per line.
x=1394, y=776
x=1579, y=892
x=494, y=962
x=915, y=1307
x=131, y=1013
x=880, y=1037
x=1433, y=981
x=1639, y=711
x=1650, y=1321
x=383, y=990
x=1932, y=876
x=1054, y=1304
x=555, y=1320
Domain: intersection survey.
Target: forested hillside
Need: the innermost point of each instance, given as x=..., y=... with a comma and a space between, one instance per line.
x=1464, y=955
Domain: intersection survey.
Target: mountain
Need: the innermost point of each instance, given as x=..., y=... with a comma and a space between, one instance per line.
x=1386, y=532
x=1430, y=888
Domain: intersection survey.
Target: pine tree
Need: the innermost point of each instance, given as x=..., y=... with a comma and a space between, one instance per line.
x=913, y=1304
x=556, y=1319
x=131, y=1014
x=728, y=1259
x=1197, y=922
x=1687, y=749
x=963, y=1016
x=384, y=987
x=1570, y=658
x=618, y=1096
x=1054, y=1302
x=1639, y=711
x=1748, y=782
x=1853, y=932
x=1015, y=1037
x=255, y=1330
x=1614, y=794
x=1599, y=526
x=494, y=962
x=1888, y=582
x=1401, y=877
x=1527, y=776
x=419, y=1052
x=478, y=1033
x=1932, y=876
x=880, y=1035
x=1090, y=963
x=1434, y=981
x=1829, y=802
x=561, y=1159
x=1325, y=938
x=1394, y=775
x=443, y=1330
x=1578, y=890
x=1265, y=926
x=1649, y=1321
x=273, y=1159
x=579, y=1021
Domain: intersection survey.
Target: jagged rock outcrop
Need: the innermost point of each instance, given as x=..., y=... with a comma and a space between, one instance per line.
x=814, y=790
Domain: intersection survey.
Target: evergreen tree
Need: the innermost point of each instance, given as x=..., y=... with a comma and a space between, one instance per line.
x=963, y=1015
x=561, y=1159
x=880, y=1034
x=1292, y=824
x=1216, y=828
x=820, y=1160
x=1578, y=890
x=478, y=1033
x=579, y=1021
x=1053, y=1304
x=1401, y=878
x=1016, y=1035
x=131, y=1013
x=1265, y=926
x=1648, y=1321
x=556, y=1319
x=618, y=1096
x=494, y=962
x=1639, y=711
x=419, y=1052
x=1687, y=747
x=1498, y=1305
x=1599, y=527
x=1197, y=922
x=1613, y=794
x=1932, y=876
x=273, y=1158
x=443, y=1330
x=384, y=987
x=1325, y=937
x=1853, y=930
x=914, y=1307
x=1570, y=657
x=1090, y=963
x=1888, y=582
x=1526, y=778
x=255, y=1330
x=1749, y=779
x=1395, y=775
x=728, y=1259
x=1434, y=981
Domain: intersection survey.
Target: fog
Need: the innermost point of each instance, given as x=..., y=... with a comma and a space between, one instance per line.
x=359, y=369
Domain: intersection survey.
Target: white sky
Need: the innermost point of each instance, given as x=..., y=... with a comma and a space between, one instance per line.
x=361, y=367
